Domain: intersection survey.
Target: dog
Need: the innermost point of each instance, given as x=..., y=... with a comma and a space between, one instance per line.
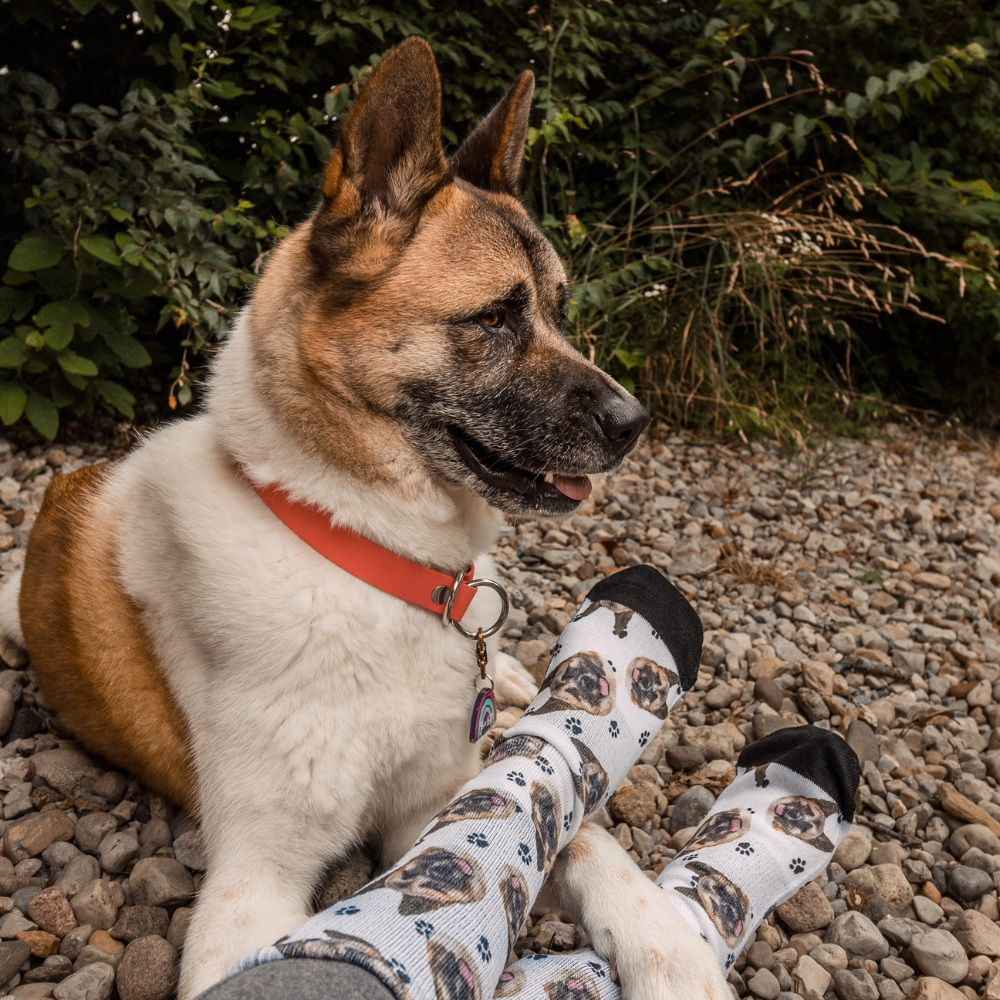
x=723, y=900
x=572, y=986
x=623, y=615
x=401, y=366
x=651, y=684
x=339, y=947
x=434, y=878
x=803, y=819
x=592, y=782
x=453, y=971
x=480, y=803
x=579, y=684
x=514, y=893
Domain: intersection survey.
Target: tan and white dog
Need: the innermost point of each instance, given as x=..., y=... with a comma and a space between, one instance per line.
x=400, y=366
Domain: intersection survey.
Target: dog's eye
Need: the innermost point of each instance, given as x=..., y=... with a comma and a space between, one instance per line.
x=492, y=318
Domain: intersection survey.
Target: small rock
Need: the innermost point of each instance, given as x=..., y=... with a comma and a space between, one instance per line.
x=66, y=769
x=92, y=829
x=690, y=808
x=855, y=984
x=895, y=969
x=111, y=787
x=104, y=941
x=13, y=954
x=165, y=882
x=6, y=714
x=929, y=988
x=977, y=934
x=90, y=954
x=899, y=930
x=41, y=943
x=156, y=834
x=148, y=970
x=634, y=804
x=829, y=956
x=82, y=869
x=808, y=910
x=177, y=930
x=967, y=884
x=974, y=835
x=32, y=991
x=938, y=954
x=887, y=880
x=858, y=936
x=810, y=977
x=11, y=924
x=769, y=691
x=50, y=909
x=854, y=849
x=140, y=921
x=117, y=850
x=29, y=837
x=689, y=759
x=188, y=850
x=764, y=985
x=97, y=904
x=94, y=982
x=60, y=854
x=764, y=725
x=927, y=911
x=862, y=740
x=74, y=942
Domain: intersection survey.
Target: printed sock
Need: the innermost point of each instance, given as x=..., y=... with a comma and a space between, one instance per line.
x=441, y=922
x=773, y=830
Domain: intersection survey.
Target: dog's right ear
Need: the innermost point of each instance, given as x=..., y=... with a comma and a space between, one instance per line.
x=389, y=151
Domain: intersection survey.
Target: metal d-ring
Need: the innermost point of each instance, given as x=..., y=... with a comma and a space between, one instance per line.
x=496, y=626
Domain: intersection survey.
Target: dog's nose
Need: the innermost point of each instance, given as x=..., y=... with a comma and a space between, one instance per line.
x=622, y=420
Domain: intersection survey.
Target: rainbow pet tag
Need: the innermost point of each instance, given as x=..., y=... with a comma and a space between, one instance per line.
x=484, y=714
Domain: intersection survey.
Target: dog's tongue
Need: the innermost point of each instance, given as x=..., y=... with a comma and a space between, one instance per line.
x=575, y=487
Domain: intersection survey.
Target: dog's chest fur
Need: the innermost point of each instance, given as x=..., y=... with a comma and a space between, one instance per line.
x=302, y=687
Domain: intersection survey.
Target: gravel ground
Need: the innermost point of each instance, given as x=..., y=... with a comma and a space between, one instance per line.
x=854, y=587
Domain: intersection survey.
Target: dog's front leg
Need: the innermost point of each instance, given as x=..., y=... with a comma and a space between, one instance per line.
x=631, y=922
x=259, y=884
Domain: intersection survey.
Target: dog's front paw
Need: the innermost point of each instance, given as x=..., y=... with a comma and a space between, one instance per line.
x=654, y=952
x=512, y=683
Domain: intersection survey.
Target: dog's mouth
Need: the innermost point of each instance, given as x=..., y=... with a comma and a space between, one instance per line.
x=549, y=490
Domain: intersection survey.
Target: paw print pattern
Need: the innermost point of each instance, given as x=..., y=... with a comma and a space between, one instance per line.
x=524, y=853
x=517, y=778
x=346, y=911
x=567, y=820
x=544, y=766
x=597, y=969
x=400, y=970
x=797, y=866
x=613, y=729
x=744, y=847
x=643, y=738
x=483, y=947
x=730, y=958
x=424, y=928
x=573, y=725
x=477, y=840
x=555, y=650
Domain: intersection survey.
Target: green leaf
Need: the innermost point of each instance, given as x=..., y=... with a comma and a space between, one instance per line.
x=113, y=394
x=12, y=400
x=147, y=11
x=59, y=319
x=15, y=304
x=130, y=352
x=102, y=248
x=73, y=364
x=855, y=105
x=42, y=415
x=630, y=359
x=13, y=353
x=34, y=253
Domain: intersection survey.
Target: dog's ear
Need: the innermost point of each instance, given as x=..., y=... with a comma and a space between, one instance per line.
x=492, y=155
x=390, y=145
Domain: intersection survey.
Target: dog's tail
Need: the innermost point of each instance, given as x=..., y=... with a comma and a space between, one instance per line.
x=12, y=649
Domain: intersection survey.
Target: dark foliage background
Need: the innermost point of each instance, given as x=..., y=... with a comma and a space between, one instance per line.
x=766, y=206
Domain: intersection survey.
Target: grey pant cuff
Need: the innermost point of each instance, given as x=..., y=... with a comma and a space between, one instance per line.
x=301, y=979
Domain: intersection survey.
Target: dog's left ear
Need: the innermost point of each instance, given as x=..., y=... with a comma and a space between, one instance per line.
x=492, y=155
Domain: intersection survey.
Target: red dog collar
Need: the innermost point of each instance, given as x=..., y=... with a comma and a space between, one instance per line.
x=361, y=557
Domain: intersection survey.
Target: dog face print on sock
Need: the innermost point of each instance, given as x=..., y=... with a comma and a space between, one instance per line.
x=480, y=803
x=512, y=981
x=726, y=904
x=572, y=984
x=580, y=683
x=803, y=818
x=339, y=947
x=516, y=746
x=516, y=898
x=436, y=877
x=721, y=828
x=592, y=782
x=453, y=971
x=545, y=814
x=623, y=615
x=651, y=684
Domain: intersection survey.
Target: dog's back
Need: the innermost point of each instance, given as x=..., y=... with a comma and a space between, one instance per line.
x=86, y=642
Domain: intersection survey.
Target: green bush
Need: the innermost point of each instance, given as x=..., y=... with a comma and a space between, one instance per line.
x=753, y=197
